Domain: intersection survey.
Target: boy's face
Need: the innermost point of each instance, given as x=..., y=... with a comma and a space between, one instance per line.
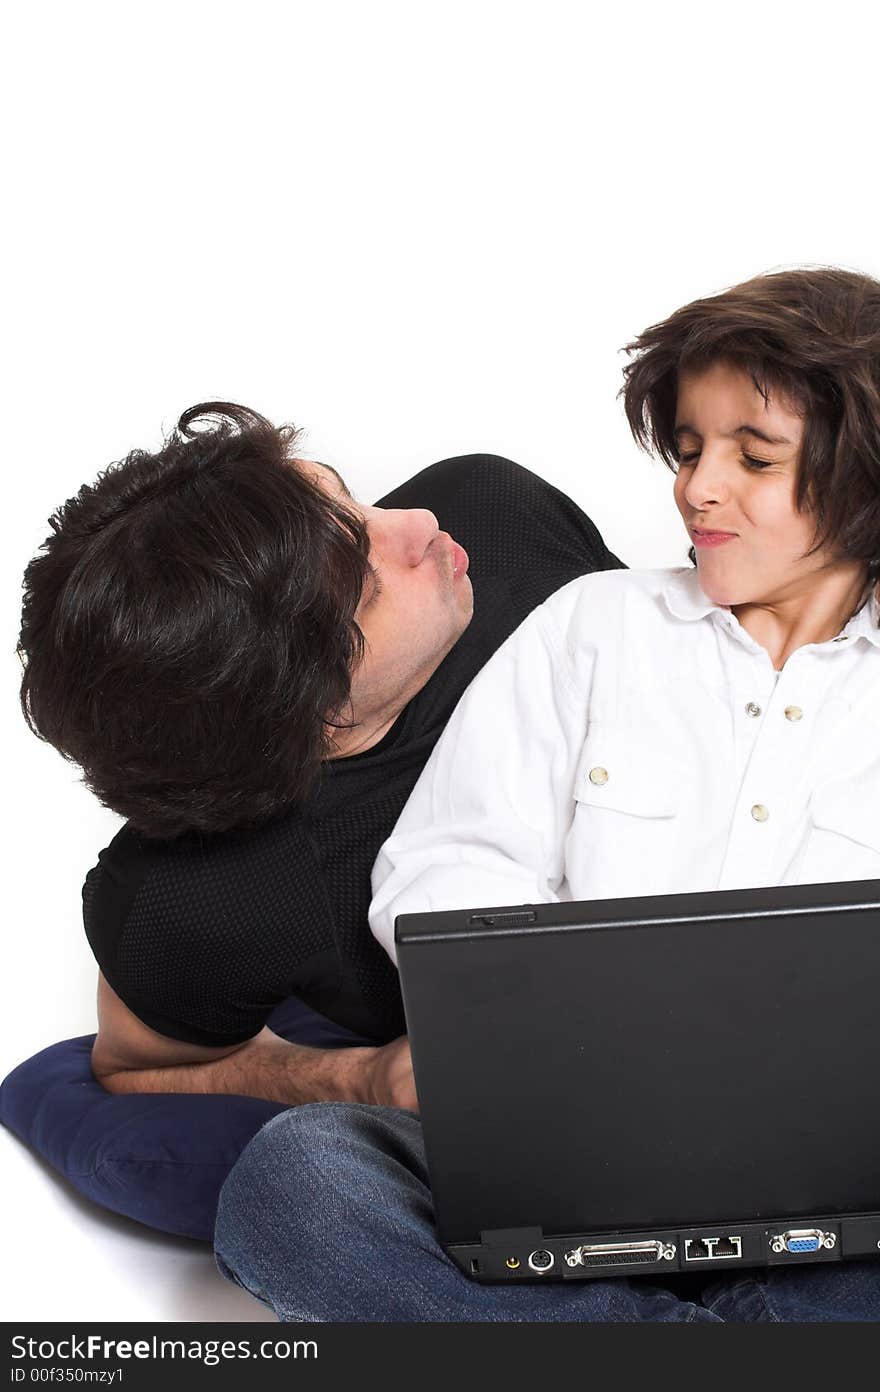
x=737, y=473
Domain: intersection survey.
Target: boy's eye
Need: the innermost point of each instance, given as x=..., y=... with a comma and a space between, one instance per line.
x=748, y=459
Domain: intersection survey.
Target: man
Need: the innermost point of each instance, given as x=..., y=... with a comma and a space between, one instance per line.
x=253, y=668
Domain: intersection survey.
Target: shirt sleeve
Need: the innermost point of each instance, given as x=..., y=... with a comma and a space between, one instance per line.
x=487, y=821
x=202, y=940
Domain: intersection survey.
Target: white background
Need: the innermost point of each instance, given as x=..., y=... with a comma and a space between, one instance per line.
x=415, y=229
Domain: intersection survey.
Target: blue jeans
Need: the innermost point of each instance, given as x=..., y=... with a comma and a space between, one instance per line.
x=327, y=1216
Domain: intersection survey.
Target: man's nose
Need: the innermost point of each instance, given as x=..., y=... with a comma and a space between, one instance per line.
x=402, y=533
x=417, y=529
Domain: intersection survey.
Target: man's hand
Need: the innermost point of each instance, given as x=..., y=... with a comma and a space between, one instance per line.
x=390, y=1081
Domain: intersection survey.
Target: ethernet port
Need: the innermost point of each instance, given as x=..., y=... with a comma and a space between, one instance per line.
x=696, y=1250
x=728, y=1247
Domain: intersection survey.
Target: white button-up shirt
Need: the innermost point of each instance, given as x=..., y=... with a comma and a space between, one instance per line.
x=632, y=738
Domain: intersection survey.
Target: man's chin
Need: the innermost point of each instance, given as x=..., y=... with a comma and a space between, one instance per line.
x=465, y=592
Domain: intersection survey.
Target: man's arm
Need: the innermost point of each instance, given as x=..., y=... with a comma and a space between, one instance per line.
x=129, y=1057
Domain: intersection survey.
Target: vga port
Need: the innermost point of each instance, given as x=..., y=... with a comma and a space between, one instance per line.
x=802, y=1240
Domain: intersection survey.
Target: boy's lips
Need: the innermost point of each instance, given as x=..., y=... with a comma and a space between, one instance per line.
x=707, y=538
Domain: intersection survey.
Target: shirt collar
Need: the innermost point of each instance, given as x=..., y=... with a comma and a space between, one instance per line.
x=685, y=600
x=684, y=597
x=864, y=624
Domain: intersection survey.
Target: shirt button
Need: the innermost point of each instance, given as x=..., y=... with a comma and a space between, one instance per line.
x=759, y=812
x=752, y=709
x=598, y=775
x=793, y=712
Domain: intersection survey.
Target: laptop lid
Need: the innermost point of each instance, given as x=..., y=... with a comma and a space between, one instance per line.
x=649, y=1062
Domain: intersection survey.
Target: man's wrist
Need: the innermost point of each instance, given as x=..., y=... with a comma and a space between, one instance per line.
x=348, y=1074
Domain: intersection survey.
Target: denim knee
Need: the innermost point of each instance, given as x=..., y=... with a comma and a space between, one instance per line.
x=323, y=1135
x=319, y=1161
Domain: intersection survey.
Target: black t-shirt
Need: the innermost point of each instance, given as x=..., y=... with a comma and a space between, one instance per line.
x=203, y=936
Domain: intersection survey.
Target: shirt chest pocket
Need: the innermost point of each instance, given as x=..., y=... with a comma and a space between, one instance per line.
x=843, y=837
x=625, y=829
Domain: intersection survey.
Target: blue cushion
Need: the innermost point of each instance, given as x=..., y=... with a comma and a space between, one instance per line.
x=160, y=1158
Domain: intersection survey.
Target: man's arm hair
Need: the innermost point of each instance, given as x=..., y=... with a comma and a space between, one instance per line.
x=128, y=1056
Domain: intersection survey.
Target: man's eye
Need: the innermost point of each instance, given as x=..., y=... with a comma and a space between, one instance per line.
x=375, y=586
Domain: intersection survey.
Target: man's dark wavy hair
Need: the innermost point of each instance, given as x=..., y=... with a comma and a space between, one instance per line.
x=812, y=335
x=188, y=630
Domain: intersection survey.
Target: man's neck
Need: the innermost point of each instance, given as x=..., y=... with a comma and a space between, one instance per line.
x=358, y=739
x=377, y=704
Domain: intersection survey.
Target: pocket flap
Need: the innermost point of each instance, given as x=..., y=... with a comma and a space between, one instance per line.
x=625, y=774
x=851, y=807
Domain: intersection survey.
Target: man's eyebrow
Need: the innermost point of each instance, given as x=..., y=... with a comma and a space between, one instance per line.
x=685, y=429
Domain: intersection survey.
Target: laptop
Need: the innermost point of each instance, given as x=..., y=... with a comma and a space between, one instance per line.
x=669, y=1083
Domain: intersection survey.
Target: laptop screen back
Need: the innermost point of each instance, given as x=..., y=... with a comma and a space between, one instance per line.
x=654, y=1062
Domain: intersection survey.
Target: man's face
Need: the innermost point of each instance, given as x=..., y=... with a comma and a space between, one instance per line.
x=416, y=604
x=738, y=461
